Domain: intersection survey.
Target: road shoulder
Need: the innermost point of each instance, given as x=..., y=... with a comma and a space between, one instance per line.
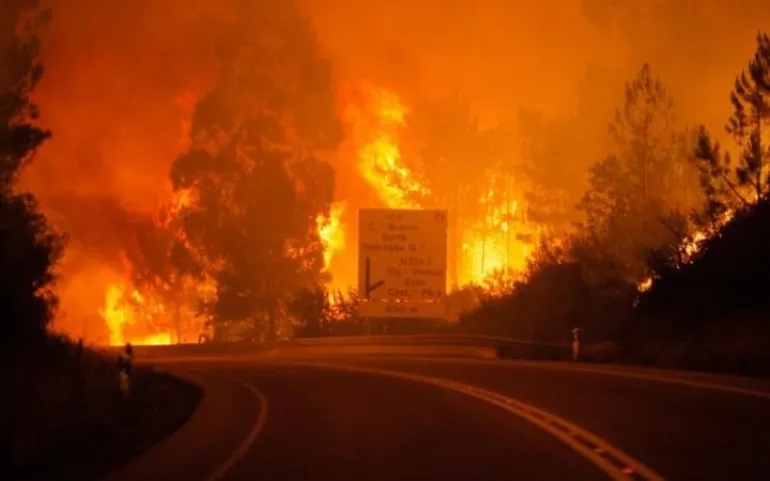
x=159, y=405
x=224, y=418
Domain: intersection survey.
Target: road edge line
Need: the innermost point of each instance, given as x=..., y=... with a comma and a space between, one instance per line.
x=539, y=417
x=649, y=377
x=246, y=444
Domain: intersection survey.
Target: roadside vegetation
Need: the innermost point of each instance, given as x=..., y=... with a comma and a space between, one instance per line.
x=662, y=260
x=59, y=401
x=669, y=263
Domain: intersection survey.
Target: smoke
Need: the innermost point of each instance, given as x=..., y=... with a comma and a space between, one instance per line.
x=120, y=84
x=122, y=78
x=504, y=55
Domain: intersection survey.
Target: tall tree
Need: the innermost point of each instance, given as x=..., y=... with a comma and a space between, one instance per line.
x=634, y=191
x=728, y=184
x=28, y=247
x=455, y=155
x=253, y=164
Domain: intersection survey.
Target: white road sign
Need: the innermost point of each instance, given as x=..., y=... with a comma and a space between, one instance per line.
x=402, y=257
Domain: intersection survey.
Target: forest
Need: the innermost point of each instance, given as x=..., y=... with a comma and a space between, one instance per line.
x=646, y=231
x=657, y=256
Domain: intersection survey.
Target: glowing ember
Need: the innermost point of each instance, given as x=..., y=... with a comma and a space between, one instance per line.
x=693, y=245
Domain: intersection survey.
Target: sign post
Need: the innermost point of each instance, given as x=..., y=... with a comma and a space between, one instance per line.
x=402, y=257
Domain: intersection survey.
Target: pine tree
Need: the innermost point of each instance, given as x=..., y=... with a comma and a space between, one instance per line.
x=634, y=192
x=730, y=184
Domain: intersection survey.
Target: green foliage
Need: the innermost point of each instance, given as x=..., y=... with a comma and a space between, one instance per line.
x=28, y=247
x=253, y=166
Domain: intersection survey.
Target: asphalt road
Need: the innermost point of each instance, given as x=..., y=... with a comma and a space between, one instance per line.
x=312, y=422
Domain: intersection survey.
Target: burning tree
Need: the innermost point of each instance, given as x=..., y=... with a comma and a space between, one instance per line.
x=468, y=170
x=168, y=288
x=726, y=273
x=450, y=145
x=252, y=165
x=28, y=247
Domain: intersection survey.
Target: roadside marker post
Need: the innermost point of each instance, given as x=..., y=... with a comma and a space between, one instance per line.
x=575, y=343
x=125, y=362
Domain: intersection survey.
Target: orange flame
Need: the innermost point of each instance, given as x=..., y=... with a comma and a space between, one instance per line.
x=331, y=233
x=489, y=245
x=692, y=246
x=375, y=128
x=492, y=247
x=144, y=317
x=120, y=316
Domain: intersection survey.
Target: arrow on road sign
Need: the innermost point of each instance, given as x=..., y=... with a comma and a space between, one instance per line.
x=367, y=279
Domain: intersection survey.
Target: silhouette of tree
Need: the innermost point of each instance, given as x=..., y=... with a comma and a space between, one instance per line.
x=253, y=166
x=720, y=294
x=28, y=247
x=728, y=184
x=312, y=308
x=556, y=153
x=633, y=192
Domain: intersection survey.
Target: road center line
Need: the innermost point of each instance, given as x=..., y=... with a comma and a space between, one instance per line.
x=241, y=450
x=618, y=465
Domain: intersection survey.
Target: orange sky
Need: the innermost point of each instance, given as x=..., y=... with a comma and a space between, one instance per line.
x=115, y=71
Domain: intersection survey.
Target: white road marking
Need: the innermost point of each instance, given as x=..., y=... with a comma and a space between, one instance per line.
x=663, y=376
x=649, y=377
x=241, y=450
x=610, y=459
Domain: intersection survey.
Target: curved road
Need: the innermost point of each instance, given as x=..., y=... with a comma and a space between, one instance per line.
x=308, y=419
